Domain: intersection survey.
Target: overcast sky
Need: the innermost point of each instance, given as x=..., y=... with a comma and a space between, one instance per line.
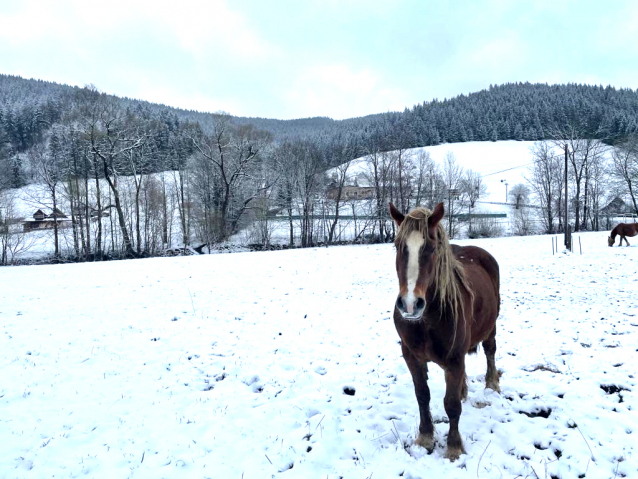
x=302, y=58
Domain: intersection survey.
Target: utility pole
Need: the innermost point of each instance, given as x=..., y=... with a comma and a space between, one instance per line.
x=506, y=183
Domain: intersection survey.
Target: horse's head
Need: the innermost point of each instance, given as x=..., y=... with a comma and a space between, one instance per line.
x=610, y=240
x=416, y=249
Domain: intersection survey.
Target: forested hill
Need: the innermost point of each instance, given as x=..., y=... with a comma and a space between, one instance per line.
x=524, y=111
x=519, y=111
x=27, y=107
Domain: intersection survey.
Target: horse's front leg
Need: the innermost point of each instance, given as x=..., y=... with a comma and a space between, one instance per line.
x=420, y=379
x=454, y=380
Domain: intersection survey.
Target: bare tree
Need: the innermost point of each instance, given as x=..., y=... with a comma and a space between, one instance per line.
x=625, y=167
x=110, y=136
x=309, y=185
x=115, y=143
x=519, y=194
x=598, y=187
x=581, y=149
x=87, y=125
x=137, y=164
x=593, y=156
x=427, y=187
x=232, y=154
x=380, y=166
x=340, y=178
x=472, y=188
x=523, y=224
x=546, y=180
x=402, y=177
x=286, y=165
x=46, y=164
x=13, y=242
x=452, y=174
x=178, y=164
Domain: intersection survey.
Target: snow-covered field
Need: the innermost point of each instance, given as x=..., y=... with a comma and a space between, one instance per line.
x=237, y=366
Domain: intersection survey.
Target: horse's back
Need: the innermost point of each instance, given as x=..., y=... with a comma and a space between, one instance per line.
x=483, y=273
x=626, y=229
x=471, y=256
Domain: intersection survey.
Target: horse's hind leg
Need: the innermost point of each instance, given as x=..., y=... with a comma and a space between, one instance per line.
x=420, y=379
x=491, y=376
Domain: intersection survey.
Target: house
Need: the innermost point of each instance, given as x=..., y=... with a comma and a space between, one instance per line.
x=350, y=192
x=615, y=207
x=43, y=221
x=358, y=188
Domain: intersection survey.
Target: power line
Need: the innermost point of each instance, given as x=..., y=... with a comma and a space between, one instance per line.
x=507, y=169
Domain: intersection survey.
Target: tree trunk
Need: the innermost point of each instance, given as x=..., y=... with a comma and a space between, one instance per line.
x=98, y=195
x=120, y=214
x=164, y=214
x=74, y=226
x=87, y=212
x=137, y=214
x=55, y=224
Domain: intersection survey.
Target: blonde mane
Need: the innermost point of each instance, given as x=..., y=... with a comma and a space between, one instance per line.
x=449, y=273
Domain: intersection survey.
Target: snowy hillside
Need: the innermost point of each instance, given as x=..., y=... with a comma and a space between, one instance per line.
x=495, y=161
x=498, y=163
x=286, y=364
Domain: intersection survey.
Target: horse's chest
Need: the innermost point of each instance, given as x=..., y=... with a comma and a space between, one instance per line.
x=424, y=345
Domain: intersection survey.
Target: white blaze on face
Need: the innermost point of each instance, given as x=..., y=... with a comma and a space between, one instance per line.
x=414, y=242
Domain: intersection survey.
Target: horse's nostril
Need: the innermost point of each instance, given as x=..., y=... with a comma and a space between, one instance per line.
x=420, y=304
x=400, y=305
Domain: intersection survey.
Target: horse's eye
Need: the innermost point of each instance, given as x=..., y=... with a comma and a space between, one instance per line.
x=427, y=249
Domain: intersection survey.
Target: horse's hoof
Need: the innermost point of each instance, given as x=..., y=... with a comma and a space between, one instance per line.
x=425, y=441
x=453, y=453
x=493, y=386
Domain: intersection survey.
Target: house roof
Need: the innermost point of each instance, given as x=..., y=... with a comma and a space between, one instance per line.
x=614, y=206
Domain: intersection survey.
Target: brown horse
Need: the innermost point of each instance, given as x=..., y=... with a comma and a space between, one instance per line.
x=622, y=229
x=448, y=303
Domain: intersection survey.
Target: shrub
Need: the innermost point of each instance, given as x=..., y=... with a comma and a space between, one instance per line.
x=485, y=228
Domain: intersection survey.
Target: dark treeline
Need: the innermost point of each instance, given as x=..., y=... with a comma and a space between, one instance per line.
x=518, y=111
x=137, y=178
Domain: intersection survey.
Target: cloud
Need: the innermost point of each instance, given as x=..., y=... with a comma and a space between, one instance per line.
x=339, y=92
x=201, y=27
x=205, y=25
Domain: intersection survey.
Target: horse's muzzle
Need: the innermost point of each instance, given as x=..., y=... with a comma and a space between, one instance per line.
x=411, y=312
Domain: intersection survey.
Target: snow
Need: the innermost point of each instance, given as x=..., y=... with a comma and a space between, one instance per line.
x=494, y=161
x=287, y=364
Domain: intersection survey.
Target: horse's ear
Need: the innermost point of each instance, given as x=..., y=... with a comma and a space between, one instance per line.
x=396, y=215
x=436, y=216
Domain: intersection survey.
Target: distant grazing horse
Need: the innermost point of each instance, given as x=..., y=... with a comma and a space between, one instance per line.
x=448, y=303
x=622, y=229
